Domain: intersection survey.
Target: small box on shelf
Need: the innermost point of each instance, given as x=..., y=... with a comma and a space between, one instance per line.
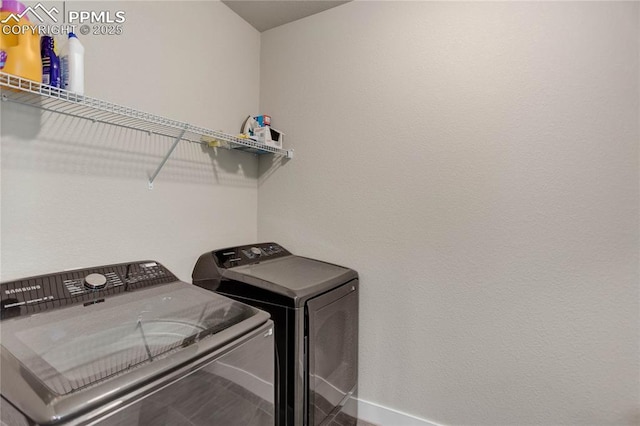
x=268, y=136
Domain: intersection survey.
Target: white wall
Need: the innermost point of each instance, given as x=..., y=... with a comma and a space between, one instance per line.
x=477, y=163
x=74, y=194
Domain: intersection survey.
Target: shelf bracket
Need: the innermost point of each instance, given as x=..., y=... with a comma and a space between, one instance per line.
x=166, y=157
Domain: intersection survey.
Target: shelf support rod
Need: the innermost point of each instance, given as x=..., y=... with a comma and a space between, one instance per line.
x=166, y=157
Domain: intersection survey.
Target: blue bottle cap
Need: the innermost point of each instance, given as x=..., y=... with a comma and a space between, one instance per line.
x=72, y=35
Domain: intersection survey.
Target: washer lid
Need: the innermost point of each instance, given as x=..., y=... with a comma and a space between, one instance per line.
x=299, y=278
x=57, y=363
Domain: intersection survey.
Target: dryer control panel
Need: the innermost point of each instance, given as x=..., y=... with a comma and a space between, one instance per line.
x=89, y=286
x=249, y=254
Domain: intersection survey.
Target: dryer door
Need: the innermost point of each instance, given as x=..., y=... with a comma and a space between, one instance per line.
x=332, y=351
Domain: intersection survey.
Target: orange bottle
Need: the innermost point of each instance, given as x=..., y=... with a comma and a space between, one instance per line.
x=19, y=44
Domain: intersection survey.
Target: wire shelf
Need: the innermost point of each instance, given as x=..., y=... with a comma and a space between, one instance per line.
x=52, y=99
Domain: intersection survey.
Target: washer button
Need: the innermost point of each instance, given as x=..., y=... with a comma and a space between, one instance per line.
x=95, y=281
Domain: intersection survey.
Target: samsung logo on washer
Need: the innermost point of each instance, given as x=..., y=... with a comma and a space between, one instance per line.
x=22, y=289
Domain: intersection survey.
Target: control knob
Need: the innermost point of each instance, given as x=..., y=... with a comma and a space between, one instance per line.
x=95, y=281
x=256, y=251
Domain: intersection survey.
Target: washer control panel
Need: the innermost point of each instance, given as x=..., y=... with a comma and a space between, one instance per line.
x=249, y=254
x=92, y=282
x=88, y=286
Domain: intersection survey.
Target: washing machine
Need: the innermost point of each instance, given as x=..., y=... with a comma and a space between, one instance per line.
x=314, y=306
x=131, y=345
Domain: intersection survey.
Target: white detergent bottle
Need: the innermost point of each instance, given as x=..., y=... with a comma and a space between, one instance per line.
x=72, y=65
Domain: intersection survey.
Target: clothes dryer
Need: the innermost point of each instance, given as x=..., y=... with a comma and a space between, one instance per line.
x=314, y=306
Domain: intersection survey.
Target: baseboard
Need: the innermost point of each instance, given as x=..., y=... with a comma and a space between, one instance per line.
x=384, y=416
